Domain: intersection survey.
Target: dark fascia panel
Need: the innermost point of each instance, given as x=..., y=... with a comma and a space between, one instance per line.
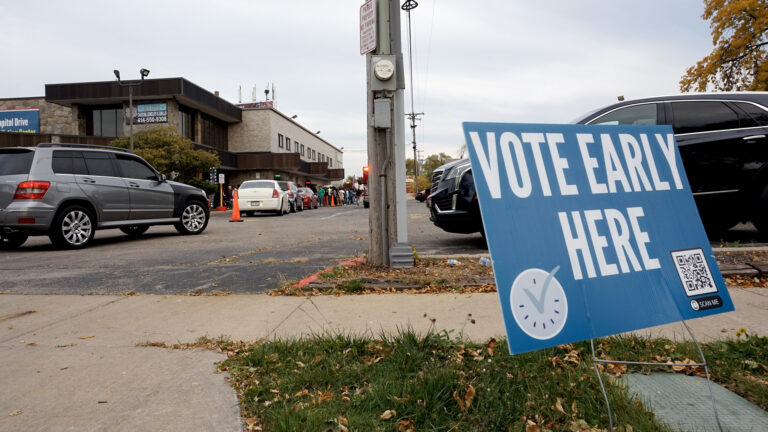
x=111, y=92
x=336, y=173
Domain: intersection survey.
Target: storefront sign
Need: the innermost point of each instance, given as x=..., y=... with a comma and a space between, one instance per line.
x=593, y=231
x=24, y=121
x=151, y=113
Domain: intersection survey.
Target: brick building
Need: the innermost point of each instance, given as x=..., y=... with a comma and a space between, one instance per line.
x=252, y=140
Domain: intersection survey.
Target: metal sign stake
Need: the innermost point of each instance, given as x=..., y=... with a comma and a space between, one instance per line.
x=595, y=361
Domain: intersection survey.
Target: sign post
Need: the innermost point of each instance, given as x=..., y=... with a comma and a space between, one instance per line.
x=593, y=231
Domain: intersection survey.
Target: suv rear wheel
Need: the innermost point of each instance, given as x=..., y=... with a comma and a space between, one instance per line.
x=194, y=219
x=12, y=241
x=73, y=228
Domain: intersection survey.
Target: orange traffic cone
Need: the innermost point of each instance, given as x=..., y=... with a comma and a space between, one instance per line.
x=332, y=201
x=235, y=208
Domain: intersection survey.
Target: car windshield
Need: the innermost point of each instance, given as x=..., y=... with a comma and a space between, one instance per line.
x=263, y=184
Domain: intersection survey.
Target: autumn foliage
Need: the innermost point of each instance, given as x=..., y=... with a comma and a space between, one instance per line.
x=739, y=60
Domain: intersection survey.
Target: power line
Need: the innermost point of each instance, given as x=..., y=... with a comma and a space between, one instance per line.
x=413, y=115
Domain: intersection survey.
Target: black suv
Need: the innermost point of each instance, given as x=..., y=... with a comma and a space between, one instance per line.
x=452, y=201
x=68, y=191
x=723, y=142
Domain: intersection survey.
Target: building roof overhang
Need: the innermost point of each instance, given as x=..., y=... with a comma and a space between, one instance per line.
x=111, y=92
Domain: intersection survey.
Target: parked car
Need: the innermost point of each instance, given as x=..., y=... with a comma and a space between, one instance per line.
x=308, y=198
x=293, y=193
x=723, y=143
x=262, y=196
x=68, y=191
x=366, y=203
x=452, y=202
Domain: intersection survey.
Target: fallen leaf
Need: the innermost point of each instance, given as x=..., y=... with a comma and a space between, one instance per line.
x=469, y=395
x=406, y=426
x=559, y=406
x=532, y=427
x=304, y=392
x=14, y=413
x=388, y=414
x=490, y=346
x=87, y=337
x=458, y=400
x=325, y=397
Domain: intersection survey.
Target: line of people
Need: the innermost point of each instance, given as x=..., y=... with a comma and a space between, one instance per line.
x=340, y=196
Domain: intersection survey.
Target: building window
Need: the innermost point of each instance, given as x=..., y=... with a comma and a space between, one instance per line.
x=187, y=123
x=213, y=132
x=314, y=155
x=302, y=149
x=287, y=144
x=296, y=146
x=105, y=121
x=280, y=140
x=330, y=163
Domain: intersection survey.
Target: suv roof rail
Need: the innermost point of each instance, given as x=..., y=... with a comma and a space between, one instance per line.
x=89, y=146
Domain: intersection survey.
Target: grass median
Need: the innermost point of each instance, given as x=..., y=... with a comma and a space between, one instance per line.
x=434, y=382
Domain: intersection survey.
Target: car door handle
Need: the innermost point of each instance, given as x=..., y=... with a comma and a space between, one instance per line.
x=753, y=137
x=87, y=180
x=133, y=185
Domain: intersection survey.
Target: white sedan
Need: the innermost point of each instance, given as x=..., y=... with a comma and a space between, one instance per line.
x=262, y=196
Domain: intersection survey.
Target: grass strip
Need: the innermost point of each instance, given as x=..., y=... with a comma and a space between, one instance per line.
x=411, y=382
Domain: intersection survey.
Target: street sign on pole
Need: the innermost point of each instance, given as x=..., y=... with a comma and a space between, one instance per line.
x=592, y=230
x=367, y=27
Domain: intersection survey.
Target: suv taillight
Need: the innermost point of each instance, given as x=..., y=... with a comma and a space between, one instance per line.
x=275, y=194
x=31, y=190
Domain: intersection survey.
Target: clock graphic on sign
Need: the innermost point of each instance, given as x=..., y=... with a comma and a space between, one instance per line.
x=538, y=303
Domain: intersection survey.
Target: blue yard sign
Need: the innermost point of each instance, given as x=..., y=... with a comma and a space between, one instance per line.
x=592, y=230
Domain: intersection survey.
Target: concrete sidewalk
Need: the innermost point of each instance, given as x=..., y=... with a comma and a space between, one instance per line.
x=71, y=362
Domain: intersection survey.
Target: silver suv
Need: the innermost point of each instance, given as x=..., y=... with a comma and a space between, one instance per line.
x=68, y=191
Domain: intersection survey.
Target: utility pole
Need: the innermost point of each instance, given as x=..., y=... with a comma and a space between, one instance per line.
x=386, y=140
x=412, y=116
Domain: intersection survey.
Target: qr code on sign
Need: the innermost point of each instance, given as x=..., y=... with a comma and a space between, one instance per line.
x=694, y=272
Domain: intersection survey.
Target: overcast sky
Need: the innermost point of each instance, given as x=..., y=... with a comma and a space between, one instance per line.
x=488, y=60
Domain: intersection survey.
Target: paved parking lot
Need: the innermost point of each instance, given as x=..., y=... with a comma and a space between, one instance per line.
x=249, y=257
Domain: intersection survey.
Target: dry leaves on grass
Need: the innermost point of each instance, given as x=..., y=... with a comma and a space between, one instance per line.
x=741, y=281
x=428, y=276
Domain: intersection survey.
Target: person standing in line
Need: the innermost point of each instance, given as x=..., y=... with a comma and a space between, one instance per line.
x=320, y=195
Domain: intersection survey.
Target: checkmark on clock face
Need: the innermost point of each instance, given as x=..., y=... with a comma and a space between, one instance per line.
x=538, y=303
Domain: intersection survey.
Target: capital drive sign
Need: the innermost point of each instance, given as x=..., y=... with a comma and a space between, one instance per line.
x=592, y=231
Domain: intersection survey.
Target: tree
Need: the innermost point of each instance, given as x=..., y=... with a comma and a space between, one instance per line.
x=173, y=155
x=739, y=60
x=432, y=162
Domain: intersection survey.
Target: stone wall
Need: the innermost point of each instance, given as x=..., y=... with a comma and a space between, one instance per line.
x=54, y=119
